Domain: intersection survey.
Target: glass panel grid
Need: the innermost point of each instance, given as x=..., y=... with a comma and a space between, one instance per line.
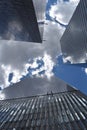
x=62, y=111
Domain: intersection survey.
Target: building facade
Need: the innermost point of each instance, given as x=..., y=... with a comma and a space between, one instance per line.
x=60, y=111
x=61, y=108
x=74, y=39
x=19, y=20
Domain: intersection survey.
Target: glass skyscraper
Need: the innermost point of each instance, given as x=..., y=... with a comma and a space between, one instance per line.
x=61, y=108
x=20, y=20
x=60, y=111
x=74, y=39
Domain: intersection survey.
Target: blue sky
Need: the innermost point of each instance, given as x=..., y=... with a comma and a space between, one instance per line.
x=73, y=74
x=21, y=60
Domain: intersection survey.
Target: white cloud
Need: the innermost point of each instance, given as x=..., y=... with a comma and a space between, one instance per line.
x=47, y=67
x=17, y=74
x=69, y=58
x=75, y=60
x=63, y=10
x=14, y=56
x=85, y=70
x=2, y=96
x=7, y=69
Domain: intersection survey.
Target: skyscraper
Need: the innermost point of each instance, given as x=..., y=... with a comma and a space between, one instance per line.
x=74, y=39
x=55, y=106
x=20, y=20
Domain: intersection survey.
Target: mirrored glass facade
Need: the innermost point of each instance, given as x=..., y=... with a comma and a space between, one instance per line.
x=74, y=39
x=19, y=20
x=40, y=14
x=59, y=111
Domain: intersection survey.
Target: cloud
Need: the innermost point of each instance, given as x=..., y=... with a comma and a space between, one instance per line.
x=34, y=67
x=7, y=69
x=15, y=56
x=41, y=66
x=2, y=96
x=74, y=60
x=63, y=10
x=85, y=70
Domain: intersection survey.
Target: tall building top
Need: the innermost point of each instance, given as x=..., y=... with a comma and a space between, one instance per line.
x=35, y=86
x=19, y=20
x=73, y=41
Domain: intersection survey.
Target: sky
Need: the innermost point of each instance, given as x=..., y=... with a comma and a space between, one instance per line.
x=19, y=60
